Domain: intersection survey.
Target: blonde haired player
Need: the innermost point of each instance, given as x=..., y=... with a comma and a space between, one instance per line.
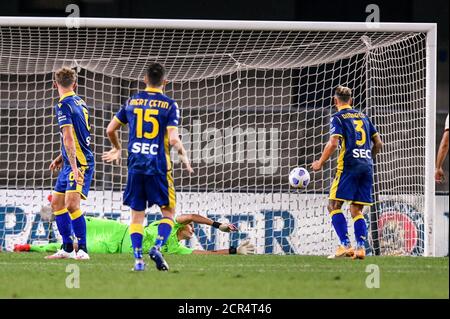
x=354, y=133
x=76, y=162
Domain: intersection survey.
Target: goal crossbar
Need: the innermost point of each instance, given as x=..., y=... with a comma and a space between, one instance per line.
x=220, y=24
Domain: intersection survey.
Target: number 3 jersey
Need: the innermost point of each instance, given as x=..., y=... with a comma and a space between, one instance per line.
x=356, y=132
x=72, y=111
x=149, y=113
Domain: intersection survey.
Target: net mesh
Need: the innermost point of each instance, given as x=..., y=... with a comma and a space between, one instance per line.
x=254, y=105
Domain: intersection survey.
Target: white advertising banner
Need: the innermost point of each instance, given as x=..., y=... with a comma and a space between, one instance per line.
x=283, y=223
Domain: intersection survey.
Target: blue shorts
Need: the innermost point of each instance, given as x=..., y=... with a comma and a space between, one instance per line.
x=144, y=191
x=66, y=183
x=353, y=187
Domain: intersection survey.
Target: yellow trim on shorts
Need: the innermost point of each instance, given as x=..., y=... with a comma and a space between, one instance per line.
x=61, y=212
x=336, y=211
x=55, y=192
x=117, y=119
x=359, y=216
x=76, y=214
x=362, y=203
x=77, y=191
x=335, y=184
x=66, y=125
x=171, y=190
x=136, y=228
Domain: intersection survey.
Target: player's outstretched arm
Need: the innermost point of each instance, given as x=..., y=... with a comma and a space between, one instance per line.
x=188, y=218
x=211, y=252
x=69, y=144
x=329, y=149
x=114, y=154
x=246, y=248
x=174, y=140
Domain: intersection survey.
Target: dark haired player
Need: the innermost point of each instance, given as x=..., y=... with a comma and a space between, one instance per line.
x=153, y=120
x=355, y=134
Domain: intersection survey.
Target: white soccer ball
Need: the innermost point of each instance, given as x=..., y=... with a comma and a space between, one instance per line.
x=299, y=177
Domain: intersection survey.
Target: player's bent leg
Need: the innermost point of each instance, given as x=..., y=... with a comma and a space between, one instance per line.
x=362, y=197
x=72, y=201
x=165, y=198
x=64, y=224
x=164, y=228
x=340, y=225
x=136, y=234
x=57, y=202
x=134, y=196
x=360, y=227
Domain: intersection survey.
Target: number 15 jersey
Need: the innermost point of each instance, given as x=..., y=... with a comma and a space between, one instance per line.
x=149, y=114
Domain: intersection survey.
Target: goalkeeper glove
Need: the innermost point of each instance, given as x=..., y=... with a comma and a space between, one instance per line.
x=246, y=248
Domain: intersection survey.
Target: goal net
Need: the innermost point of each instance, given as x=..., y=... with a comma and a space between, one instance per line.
x=255, y=102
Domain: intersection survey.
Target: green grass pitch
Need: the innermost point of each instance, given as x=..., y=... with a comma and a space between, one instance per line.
x=29, y=275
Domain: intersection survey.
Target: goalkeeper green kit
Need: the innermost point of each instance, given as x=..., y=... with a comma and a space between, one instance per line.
x=106, y=236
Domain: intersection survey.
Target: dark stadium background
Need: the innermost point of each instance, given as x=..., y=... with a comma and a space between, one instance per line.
x=318, y=10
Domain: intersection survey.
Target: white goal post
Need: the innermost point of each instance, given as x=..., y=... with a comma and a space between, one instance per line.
x=255, y=101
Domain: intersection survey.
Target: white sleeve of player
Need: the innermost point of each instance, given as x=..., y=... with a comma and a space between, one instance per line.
x=446, y=124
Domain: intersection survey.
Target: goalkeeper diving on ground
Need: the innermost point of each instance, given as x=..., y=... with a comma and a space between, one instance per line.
x=112, y=237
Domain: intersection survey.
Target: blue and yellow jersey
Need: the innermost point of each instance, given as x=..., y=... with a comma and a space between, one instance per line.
x=149, y=113
x=356, y=132
x=72, y=111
